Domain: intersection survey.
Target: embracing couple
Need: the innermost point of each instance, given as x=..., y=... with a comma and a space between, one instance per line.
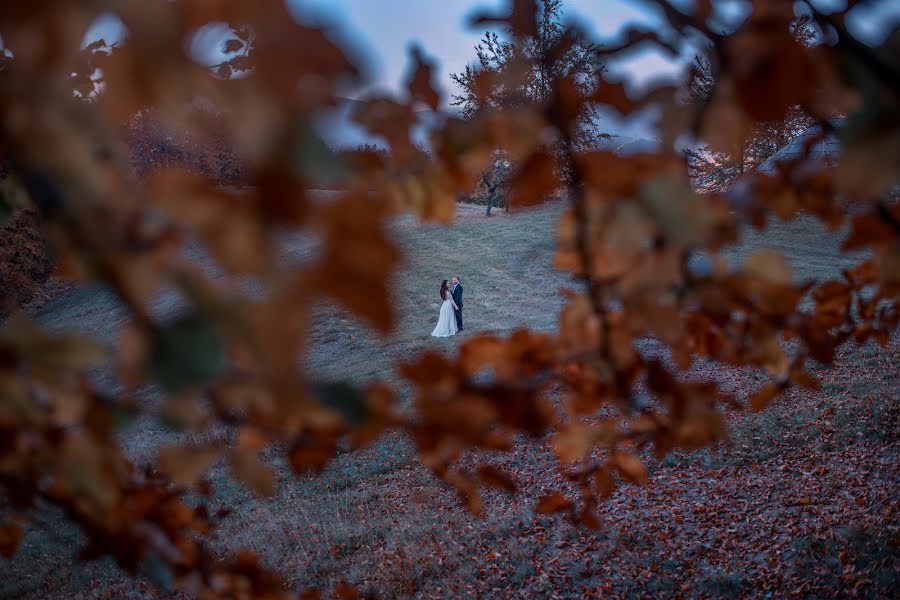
x=450, y=319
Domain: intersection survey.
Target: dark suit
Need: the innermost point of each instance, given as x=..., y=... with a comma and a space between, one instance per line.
x=457, y=298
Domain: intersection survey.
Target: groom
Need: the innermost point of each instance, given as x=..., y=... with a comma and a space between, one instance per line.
x=457, y=298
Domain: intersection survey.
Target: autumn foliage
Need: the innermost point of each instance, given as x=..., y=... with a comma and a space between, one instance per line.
x=25, y=259
x=643, y=249
x=152, y=148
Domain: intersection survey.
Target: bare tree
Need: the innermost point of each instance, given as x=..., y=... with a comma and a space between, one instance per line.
x=496, y=179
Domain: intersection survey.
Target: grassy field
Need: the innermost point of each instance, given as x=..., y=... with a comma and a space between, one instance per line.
x=733, y=521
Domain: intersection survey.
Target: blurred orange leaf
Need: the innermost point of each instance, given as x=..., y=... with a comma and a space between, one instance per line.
x=185, y=465
x=630, y=467
x=553, y=503
x=10, y=537
x=762, y=397
x=255, y=474
x=419, y=83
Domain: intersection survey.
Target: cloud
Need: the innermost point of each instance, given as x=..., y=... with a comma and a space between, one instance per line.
x=107, y=27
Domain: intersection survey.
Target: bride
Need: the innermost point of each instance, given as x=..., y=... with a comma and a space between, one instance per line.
x=446, y=325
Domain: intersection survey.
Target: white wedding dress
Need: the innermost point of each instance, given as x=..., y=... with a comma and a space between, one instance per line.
x=446, y=325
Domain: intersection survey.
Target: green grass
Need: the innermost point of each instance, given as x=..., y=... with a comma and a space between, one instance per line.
x=346, y=523
x=812, y=251
x=873, y=416
x=504, y=263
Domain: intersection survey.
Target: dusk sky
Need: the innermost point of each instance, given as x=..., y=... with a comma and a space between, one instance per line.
x=442, y=29
x=387, y=27
x=381, y=32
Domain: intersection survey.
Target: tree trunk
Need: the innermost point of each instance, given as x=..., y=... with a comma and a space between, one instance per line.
x=490, y=203
x=491, y=190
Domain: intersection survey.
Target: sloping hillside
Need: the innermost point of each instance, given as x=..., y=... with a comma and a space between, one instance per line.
x=801, y=503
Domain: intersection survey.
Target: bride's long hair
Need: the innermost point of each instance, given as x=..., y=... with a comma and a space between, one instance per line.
x=444, y=288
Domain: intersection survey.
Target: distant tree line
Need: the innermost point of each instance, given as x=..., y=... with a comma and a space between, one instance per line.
x=716, y=170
